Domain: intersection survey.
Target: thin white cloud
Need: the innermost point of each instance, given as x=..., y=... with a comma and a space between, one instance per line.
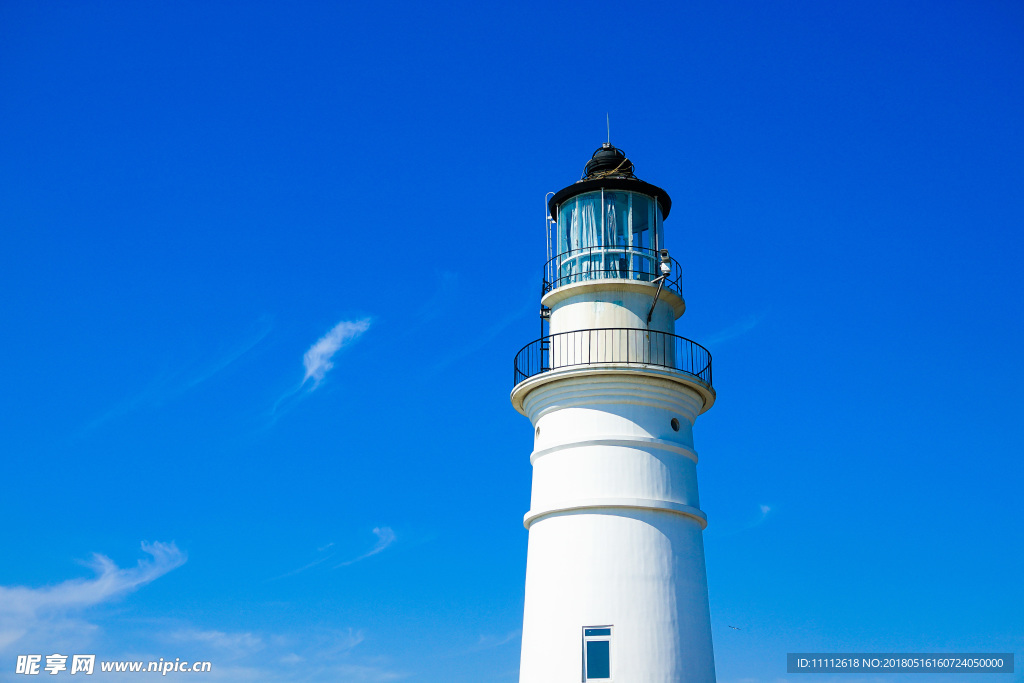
x=318, y=358
x=445, y=288
x=233, y=645
x=470, y=345
x=315, y=655
x=486, y=642
x=363, y=672
x=336, y=642
x=737, y=329
x=269, y=657
x=309, y=565
x=317, y=361
x=233, y=355
x=25, y=610
x=765, y=511
x=385, y=537
x=172, y=385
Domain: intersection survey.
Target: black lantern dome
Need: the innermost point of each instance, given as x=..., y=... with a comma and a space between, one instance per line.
x=609, y=168
x=608, y=161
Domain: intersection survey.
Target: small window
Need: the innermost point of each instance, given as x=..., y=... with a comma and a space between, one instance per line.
x=597, y=653
x=675, y=425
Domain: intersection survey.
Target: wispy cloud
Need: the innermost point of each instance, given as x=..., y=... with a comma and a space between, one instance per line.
x=25, y=610
x=765, y=511
x=486, y=642
x=337, y=642
x=751, y=521
x=363, y=672
x=263, y=329
x=385, y=537
x=171, y=385
x=737, y=329
x=322, y=655
x=317, y=361
x=442, y=298
x=471, y=344
x=232, y=645
x=310, y=565
x=318, y=358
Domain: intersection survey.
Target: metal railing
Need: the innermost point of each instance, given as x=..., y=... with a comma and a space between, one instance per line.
x=627, y=346
x=597, y=263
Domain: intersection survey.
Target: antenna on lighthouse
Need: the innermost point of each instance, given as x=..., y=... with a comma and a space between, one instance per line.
x=608, y=123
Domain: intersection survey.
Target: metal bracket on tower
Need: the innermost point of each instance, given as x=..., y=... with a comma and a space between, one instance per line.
x=665, y=267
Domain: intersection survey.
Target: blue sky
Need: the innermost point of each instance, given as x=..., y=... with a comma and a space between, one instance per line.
x=264, y=267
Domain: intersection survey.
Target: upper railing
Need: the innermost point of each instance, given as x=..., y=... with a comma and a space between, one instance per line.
x=618, y=346
x=597, y=263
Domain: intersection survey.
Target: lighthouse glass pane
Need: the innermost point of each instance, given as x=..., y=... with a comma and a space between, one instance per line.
x=641, y=264
x=589, y=235
x=568, y=216
x=565, y=213
x=580, y=233
x=616, y=218
x=599, y=659
x=641, y=215
x=616, y=234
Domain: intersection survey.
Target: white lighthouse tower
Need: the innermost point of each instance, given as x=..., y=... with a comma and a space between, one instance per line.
x=616, y=588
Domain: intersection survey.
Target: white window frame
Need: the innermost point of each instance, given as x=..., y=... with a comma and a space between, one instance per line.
x=590, y=639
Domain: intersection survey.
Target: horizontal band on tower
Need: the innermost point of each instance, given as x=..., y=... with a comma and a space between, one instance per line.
x=607, y=387
x=637, y=442
x=605, y=378
x=622, y=503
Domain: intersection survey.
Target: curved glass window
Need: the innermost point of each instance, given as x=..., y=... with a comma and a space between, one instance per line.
x=607, y=234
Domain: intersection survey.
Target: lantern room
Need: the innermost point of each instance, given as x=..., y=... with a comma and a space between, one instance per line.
x=606, y=225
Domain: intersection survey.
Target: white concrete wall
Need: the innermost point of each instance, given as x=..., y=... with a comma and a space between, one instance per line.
x=616, y=529
x=596, y=307
x=641, y=571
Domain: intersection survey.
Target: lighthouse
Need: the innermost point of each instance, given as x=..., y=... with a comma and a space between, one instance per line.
x=616, y=586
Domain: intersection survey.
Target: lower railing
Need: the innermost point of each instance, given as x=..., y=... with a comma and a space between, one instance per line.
x=627, y=346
